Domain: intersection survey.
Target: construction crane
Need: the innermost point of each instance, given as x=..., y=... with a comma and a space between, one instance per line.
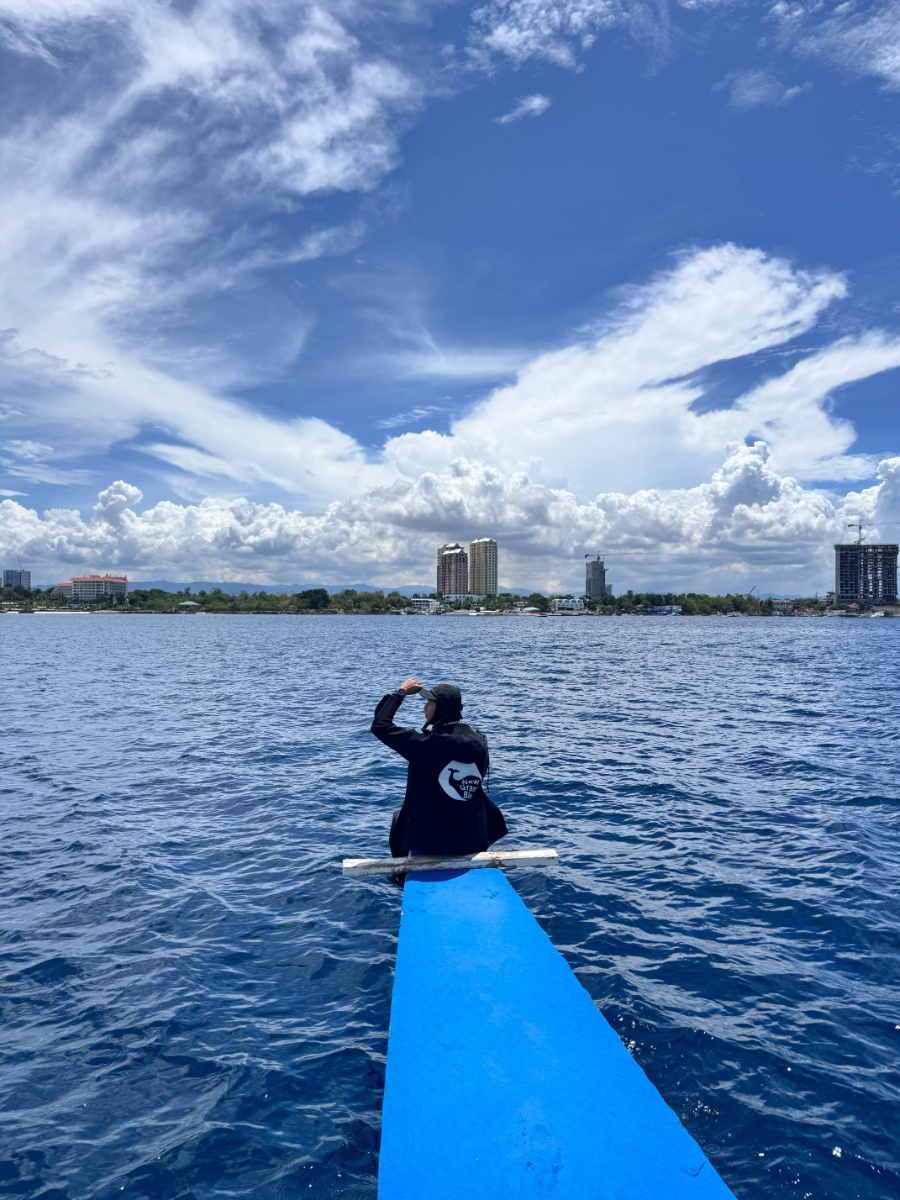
x=859, y=526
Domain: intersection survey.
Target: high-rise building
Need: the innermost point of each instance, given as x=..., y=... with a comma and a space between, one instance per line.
x=865, y=573
x=441, y=549
x=595, y=578
x=17, y=579
x=483, y=567
x=453, y=570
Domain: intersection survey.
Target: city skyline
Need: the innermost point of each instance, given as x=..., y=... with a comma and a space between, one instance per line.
x=580, y=274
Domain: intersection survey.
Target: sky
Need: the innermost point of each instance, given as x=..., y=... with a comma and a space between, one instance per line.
x=299, y=291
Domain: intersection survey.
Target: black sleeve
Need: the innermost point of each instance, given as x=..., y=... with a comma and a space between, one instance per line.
x=404, y=741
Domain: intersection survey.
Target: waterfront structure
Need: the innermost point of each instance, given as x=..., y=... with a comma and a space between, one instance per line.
x=483, y=566
x=865, y=573
x=666, y=610
x=566, y=604
x=17, y=579
x=420, y=604
x=85, y=589
x=595, y=584
x=452, y=570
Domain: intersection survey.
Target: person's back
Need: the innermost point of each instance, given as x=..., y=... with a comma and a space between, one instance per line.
x=446, y=810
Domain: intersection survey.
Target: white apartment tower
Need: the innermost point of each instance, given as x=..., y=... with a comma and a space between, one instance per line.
x=483, y=567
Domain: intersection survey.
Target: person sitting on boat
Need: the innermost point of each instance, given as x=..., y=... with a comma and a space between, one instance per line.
x=446, y=810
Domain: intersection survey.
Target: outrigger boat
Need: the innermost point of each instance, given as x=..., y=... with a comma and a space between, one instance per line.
x=504, y=1080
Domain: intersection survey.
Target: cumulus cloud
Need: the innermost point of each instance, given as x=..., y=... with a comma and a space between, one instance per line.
x=757, y=88
x=747, y=523
x=527, y=106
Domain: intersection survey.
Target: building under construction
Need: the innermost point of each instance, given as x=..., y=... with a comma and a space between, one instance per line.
x=865, y=574
x=595, y=578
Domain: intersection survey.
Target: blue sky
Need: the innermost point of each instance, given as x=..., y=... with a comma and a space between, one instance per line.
x=301, y=291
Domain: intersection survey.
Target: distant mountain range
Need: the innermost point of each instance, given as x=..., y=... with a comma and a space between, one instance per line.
x=234, y=589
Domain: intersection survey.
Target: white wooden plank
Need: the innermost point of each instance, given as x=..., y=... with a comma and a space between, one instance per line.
x=426, y=862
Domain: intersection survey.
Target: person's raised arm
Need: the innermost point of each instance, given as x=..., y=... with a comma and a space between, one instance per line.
x=397, y=737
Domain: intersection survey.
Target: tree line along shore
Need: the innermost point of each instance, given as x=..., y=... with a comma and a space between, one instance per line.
x=317, y=601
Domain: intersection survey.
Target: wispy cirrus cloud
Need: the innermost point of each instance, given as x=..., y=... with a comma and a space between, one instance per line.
x=865, y=41
x=412, y=416
x=527, y=106
x=757, y=88
x=617, y=408
x=165, y=158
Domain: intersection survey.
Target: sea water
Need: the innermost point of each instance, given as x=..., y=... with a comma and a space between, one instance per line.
x=196, y=1004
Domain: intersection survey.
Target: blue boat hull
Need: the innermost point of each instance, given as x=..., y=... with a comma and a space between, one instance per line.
x=503, y=1079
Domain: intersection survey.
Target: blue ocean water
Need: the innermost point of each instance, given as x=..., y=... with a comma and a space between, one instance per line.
x=195, y=1003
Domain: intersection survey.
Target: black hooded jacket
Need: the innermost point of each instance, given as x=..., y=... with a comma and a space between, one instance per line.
x=446, y=810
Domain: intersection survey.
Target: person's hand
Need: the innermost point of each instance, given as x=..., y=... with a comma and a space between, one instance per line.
x=411, y=686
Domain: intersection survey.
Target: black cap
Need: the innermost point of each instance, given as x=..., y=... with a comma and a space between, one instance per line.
x=445, y=694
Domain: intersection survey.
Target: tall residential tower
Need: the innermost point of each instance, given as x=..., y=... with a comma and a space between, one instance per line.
x=452, y=570
x=483, y=567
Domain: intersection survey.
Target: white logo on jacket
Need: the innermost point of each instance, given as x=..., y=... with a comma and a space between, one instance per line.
x=460, y=780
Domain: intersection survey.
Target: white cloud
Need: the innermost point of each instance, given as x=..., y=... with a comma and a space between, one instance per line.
x=430, y=360
x=162, y=177
x=619, y=408
x=866, y=42
x=746, y=525
x=277, y=94
x=555, y=30
x=411, y=416
x=758, y=87
x=27, y=449
x=527, y=106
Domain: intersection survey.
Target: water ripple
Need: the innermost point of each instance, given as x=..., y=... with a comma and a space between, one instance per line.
x=195, y=1003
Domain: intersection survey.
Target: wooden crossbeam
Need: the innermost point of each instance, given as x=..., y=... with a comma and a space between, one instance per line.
x=427, y=862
